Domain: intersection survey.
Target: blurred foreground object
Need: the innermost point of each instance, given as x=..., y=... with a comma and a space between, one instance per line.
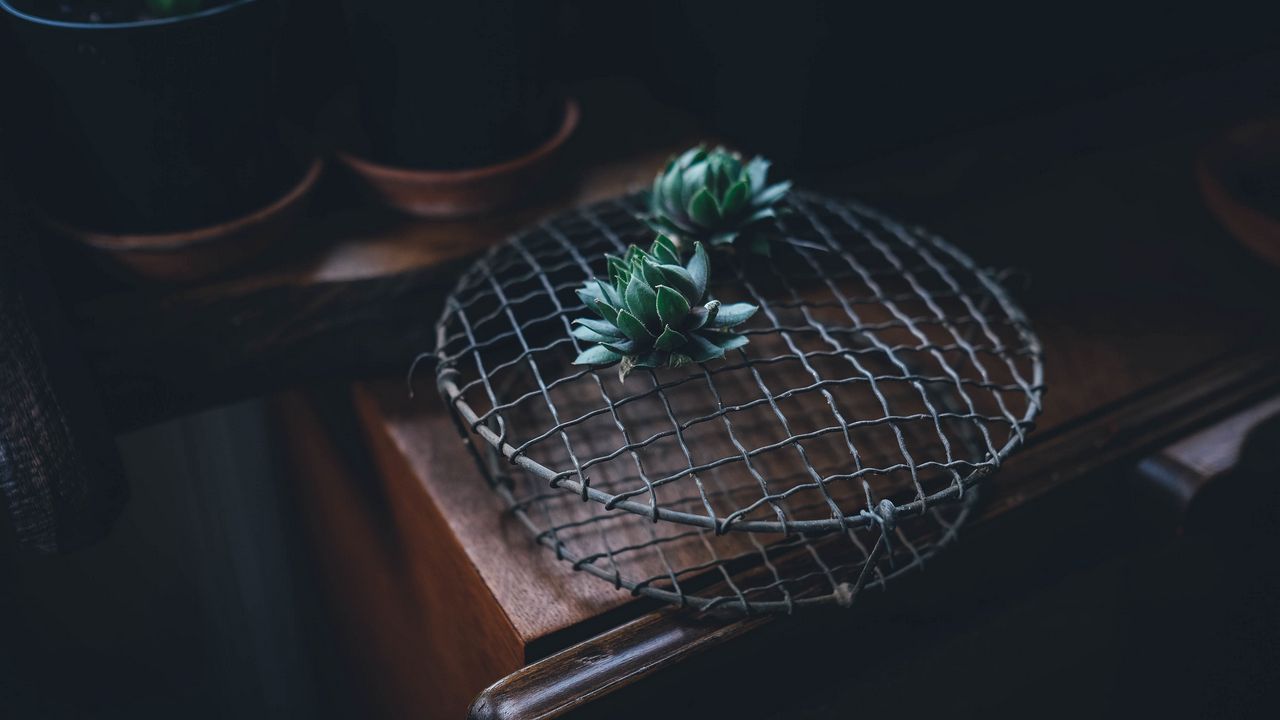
x=1239, y=176
x=60, y=473
x=154, y=140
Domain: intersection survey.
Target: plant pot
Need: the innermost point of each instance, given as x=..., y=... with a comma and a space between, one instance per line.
x=453, y=86
x=194, y=254
x=462, y=193
x=1236, y=172
x=151, y=126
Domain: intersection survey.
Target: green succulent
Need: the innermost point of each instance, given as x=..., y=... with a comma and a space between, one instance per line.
x=654, y=312
x=169, y=8
x=712, y=197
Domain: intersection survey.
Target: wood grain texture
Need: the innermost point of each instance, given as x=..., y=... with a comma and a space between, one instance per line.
x=362, y=572
x=441, y=475
x=426, y=611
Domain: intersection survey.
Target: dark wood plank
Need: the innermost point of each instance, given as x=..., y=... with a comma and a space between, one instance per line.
x=387, y=603
x=530, y=586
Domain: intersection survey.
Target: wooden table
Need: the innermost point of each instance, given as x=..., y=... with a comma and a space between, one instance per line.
x=1154, y=323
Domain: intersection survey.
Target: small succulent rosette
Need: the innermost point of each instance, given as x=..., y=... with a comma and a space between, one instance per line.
x=654, y=312
x=712, y=197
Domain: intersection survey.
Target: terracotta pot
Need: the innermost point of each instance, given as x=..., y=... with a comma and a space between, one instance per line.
x=1221, y=167
x=460, y=193
x=193, y=254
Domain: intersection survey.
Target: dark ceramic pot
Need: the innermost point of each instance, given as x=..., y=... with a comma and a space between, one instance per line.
x=452, y=85
x=150, y=126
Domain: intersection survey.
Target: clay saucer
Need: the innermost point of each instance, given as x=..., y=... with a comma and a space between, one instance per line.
x=189, y=255
x=462, y=193
x=1224, y=169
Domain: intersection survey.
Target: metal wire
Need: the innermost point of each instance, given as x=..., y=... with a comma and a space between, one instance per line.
x=886, y=375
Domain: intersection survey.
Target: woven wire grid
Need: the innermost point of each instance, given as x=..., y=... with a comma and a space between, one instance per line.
x=886, y=375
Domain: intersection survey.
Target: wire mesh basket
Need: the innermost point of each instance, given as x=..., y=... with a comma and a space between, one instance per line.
x=886, y=375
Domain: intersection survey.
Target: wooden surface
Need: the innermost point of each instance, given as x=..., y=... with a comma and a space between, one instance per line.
x=386, y=601
x=494, y=543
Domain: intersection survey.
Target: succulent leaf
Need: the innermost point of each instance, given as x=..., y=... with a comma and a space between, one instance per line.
x=703, y=208
x=653, y=273
x=588, y=335
x=623, y=346
x=699, y=268
x=589, y=294
x=632, y=327
x=670, y=339
x=702, y=349
x=606, y=311
x=757, y=171
x=735, y=198
x=597, y=355
x=641, y=300
x=772, y=194
x=728, y=341
x=680, y=279
x=611, y=296
x=619, y=272
x=672, y=307
x=703, y=316
x=733, y=314
x=599, y=327
x=664, y=249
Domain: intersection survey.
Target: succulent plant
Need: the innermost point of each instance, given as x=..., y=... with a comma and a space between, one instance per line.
x=169, y=8
x=655, y=312
x=713, y=197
